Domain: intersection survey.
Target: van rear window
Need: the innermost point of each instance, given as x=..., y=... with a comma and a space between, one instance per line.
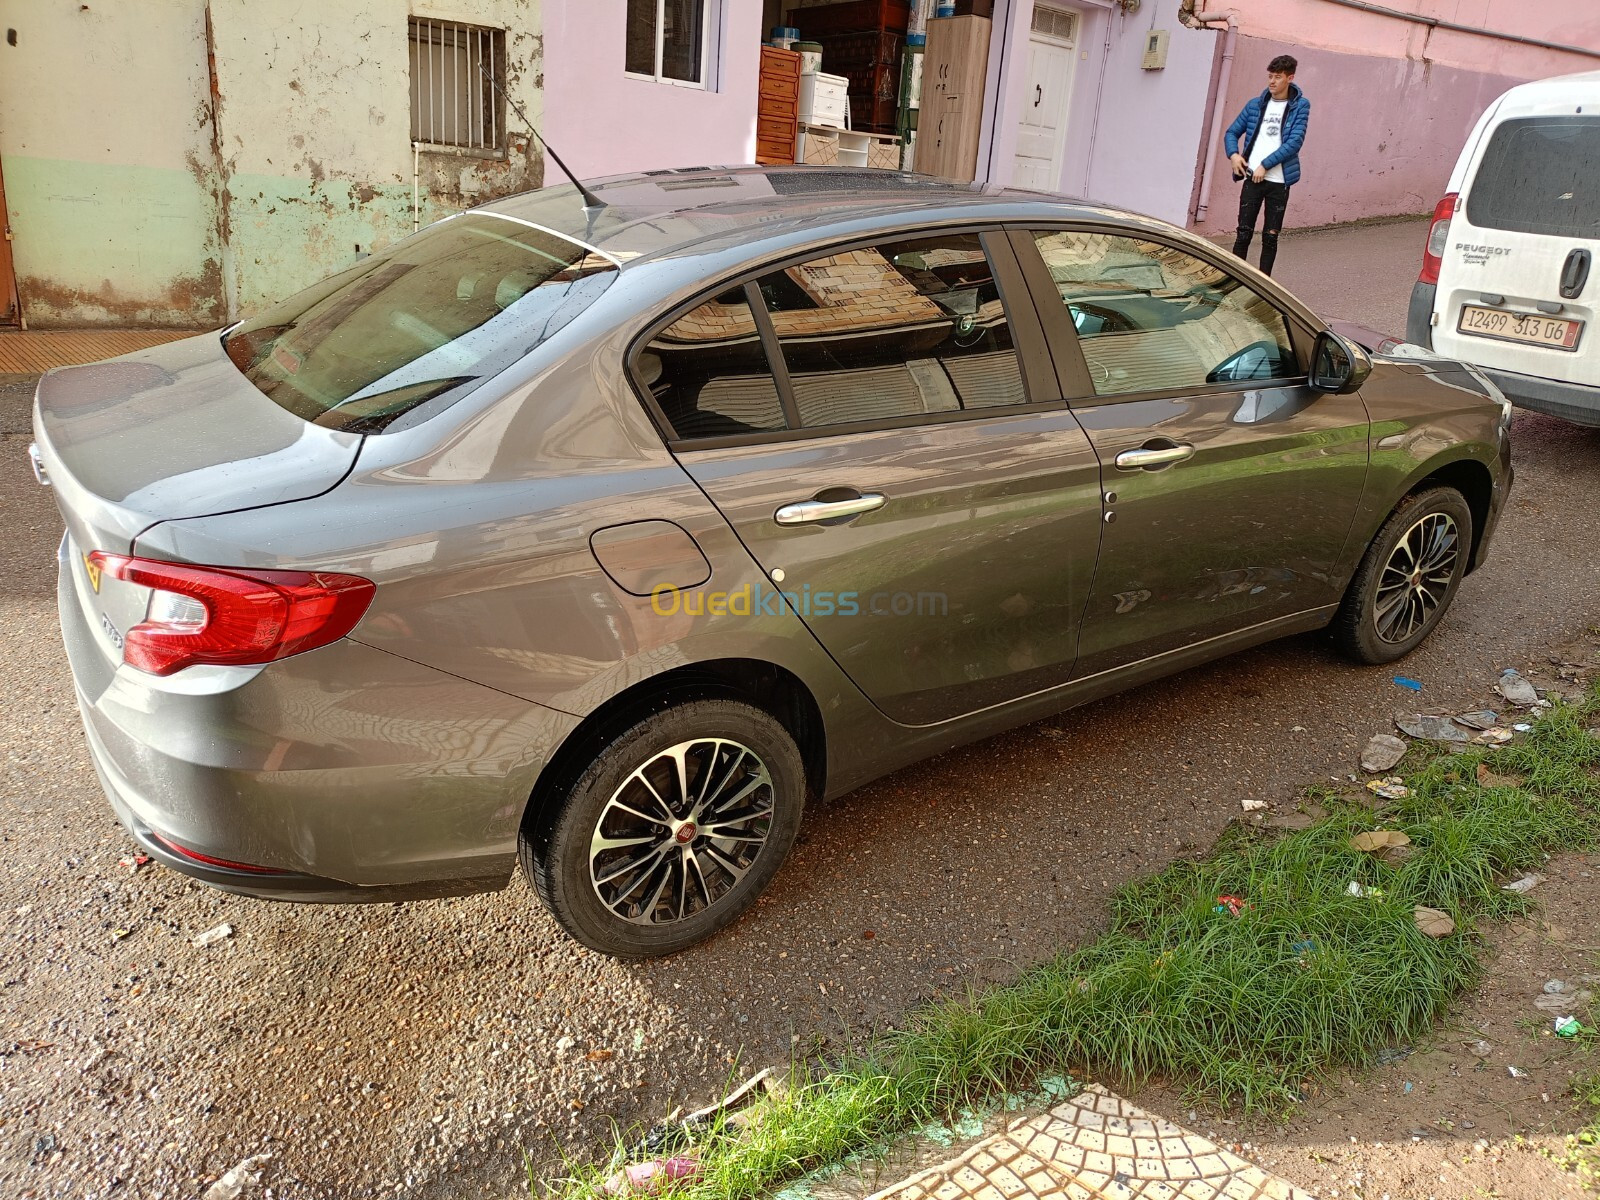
x=1540, y=175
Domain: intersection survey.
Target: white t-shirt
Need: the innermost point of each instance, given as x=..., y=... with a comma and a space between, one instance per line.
x=1268, y=138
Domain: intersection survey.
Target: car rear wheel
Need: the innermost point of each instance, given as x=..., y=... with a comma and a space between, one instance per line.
x=674, y=829
x=1407, y=578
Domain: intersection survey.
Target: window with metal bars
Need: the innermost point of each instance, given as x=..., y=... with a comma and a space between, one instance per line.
x=454, y=100
x=1052, y=22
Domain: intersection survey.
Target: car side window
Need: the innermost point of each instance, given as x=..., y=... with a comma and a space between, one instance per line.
x=894, y=330
x=709, y=374
x=1151, y=317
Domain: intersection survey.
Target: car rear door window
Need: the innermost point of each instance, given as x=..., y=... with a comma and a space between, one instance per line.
x=709, y=374
x=899, y=329
x=1153, y=318
x=1540, y=175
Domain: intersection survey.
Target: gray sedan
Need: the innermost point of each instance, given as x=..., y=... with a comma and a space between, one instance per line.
x=607, y=532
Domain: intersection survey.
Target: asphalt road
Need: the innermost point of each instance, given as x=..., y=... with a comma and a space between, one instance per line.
x=421, y=1049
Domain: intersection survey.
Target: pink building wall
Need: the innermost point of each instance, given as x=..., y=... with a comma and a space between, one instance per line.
x=602, y=122
x=1392, y=100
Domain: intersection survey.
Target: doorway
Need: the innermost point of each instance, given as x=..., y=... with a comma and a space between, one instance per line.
x=10, y=303
x=1041, y=133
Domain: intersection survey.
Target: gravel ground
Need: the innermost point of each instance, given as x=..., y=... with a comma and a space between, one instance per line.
x=421, y=1050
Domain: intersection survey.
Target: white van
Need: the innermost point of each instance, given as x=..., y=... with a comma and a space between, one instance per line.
x=1508, y=275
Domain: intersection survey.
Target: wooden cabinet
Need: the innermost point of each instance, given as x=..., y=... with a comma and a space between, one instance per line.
x=863, y=40
x=777, y=105
x=950, y=123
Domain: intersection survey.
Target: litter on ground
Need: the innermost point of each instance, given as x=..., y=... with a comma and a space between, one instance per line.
x=1524, y=885
x=1432, y=922
x=1430, y=728
x=1516, y=689
x=1390, y=788
x=1382, y=753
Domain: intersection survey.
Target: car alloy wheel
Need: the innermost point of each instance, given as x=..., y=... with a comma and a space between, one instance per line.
x=1407, y=577
x=672, y=828
x=1416, y=581
x=681, y=831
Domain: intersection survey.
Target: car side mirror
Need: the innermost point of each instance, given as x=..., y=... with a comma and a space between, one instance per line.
x=1338, y=366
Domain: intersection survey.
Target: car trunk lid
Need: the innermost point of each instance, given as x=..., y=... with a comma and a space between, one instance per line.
x=160, y=435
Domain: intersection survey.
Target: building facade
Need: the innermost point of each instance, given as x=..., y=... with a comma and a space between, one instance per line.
x=210, y=156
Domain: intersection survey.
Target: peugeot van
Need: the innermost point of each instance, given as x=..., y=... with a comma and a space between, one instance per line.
x=1507, y=280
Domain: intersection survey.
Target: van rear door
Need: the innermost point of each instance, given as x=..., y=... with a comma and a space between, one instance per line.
x=1519, y=285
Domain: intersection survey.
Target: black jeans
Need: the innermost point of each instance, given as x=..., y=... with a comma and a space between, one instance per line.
x=1276, y=198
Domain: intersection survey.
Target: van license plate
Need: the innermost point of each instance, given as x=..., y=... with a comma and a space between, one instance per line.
x=1528, y=328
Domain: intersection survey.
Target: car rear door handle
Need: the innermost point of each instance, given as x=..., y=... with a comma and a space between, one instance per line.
x=1153, y=456
x=804, y=512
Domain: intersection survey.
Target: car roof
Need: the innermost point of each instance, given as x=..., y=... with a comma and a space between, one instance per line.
x=1538, y=96
x=655, y=213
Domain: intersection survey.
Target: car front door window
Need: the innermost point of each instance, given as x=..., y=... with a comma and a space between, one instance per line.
x=1153, y=318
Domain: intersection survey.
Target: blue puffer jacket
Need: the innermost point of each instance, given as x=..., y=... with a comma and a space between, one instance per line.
x=1248, y=123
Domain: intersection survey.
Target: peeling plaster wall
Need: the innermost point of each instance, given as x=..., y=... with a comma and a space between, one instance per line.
x=134, y=203
x=315, y=136
x=1392, y=101
x=105, y=134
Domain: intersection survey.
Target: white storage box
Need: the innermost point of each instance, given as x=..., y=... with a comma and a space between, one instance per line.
x=824, y=99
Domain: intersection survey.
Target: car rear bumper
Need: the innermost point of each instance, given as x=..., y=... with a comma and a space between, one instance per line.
x=1575, y=402
x=346, y=773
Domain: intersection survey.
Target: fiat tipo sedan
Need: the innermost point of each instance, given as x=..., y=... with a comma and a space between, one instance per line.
x=607, y=530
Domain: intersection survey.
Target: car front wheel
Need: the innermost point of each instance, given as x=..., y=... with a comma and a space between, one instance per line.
x=1407, y=578
x=677, y=825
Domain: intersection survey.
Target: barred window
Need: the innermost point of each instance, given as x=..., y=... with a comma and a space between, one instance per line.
x=454, y=100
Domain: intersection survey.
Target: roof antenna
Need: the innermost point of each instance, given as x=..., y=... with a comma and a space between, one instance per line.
x=591, y=202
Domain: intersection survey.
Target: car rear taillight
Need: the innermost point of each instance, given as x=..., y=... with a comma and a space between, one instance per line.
x=211, y=860
x=232, y=617
x=1438, y=239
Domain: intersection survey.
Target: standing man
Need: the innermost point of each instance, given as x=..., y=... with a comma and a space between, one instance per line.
x=1273, y=128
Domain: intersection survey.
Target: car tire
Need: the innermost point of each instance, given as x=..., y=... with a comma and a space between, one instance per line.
x=1407, y=578
x=669, y=882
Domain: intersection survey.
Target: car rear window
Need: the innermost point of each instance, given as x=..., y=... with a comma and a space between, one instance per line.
x=409, y=331
x=1540, y=175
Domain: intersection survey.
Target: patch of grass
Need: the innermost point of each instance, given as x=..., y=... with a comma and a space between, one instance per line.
x=1581, y=1155
x=1245, y=1008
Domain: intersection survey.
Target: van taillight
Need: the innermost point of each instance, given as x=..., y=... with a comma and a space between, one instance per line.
x=232, y=618
x=1438, y=239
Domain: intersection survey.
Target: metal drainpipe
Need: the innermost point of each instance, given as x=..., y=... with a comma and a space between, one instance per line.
x=1099, y=96
x=1457, y=27
x=416, y=191
x=1220, y=111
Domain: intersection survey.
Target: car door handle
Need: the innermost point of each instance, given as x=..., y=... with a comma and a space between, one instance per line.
x=804, y=512
x=1157, y=456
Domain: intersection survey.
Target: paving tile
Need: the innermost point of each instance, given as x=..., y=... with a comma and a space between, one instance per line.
x=1095, y=1147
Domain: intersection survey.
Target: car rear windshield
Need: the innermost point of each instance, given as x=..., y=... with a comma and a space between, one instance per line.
x=409, y=331
x=1540, y=175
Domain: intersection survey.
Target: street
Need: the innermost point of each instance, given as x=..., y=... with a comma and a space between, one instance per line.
x=423, y=1049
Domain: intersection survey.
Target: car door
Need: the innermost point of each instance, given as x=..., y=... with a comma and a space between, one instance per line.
x=868, y=420
x=1230, y=485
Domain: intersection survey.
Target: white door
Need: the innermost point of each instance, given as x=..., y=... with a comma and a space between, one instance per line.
x=1052, y=55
